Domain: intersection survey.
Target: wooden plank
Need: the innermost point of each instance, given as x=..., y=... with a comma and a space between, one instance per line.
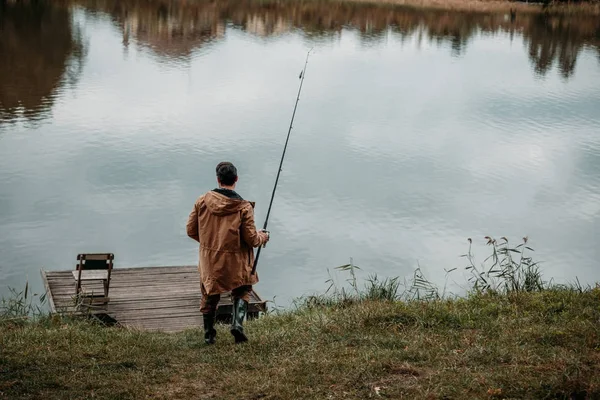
x=90, y=275
x=139, y=286
x=154, y=314
x=138, y=270
x=134, y=277
x=117, y=282
x=141, y=308
x=120, y=280
x=166, y=321
x=193, y=305
x=156, y=271
x=134, y=292
x=163, y=325
x=166, y=286
x=139, y=276
x=156, y=302
x=120, y=303
x=155, y=297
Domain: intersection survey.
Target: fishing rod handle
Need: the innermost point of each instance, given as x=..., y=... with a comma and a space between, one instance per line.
x=268, y=235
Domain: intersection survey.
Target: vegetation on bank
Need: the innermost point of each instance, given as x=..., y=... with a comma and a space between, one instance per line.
x=564, y=6
x=513, y=336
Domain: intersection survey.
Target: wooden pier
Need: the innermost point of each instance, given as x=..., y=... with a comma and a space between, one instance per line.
x=149, y=298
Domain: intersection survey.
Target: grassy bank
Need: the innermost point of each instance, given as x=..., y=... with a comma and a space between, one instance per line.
x=512, y=337
x=517, y=346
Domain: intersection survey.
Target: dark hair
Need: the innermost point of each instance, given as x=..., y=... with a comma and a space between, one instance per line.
x=226, y=173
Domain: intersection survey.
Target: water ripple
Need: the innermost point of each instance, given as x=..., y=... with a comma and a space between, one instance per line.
x=413, y=133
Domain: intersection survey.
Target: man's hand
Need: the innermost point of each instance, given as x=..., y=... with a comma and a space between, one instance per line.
x=264, y=236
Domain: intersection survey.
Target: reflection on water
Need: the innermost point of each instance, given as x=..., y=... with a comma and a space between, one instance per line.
x=560, y=39
x=416, y=130
x=39, y=51
x=169, y=30
x=175, y=29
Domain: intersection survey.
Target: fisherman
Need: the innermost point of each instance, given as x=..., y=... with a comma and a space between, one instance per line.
x=223, y=224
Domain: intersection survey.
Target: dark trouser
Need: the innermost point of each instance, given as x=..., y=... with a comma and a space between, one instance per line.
x=208, y=304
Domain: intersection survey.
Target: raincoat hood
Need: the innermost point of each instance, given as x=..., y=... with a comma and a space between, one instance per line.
x=219, y=204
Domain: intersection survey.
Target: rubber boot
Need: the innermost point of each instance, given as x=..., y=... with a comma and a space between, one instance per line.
x=240, y=306
x=209, y=328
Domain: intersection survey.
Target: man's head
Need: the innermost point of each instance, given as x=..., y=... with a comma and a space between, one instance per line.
x=226, y=174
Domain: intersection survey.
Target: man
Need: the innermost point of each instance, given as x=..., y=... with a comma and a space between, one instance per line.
x=223, y=224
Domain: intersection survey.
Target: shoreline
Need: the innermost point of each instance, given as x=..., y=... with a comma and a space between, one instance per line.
x=584, y=8
x=485, y=6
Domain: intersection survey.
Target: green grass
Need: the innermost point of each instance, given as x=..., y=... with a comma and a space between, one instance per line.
x=542, y=345
x=513, y=336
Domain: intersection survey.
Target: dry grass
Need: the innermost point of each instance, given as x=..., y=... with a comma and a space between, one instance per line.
x=515, y=346
x=462, y=5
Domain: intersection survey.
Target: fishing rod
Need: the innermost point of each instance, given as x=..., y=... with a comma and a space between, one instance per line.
x=302, y=75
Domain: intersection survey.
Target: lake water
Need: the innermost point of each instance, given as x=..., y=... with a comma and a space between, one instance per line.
x=415, y=130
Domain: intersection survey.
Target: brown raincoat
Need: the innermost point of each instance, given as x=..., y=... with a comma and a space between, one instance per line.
x=225, y=229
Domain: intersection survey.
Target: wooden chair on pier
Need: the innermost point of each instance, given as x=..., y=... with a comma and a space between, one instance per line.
x=93, y=267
